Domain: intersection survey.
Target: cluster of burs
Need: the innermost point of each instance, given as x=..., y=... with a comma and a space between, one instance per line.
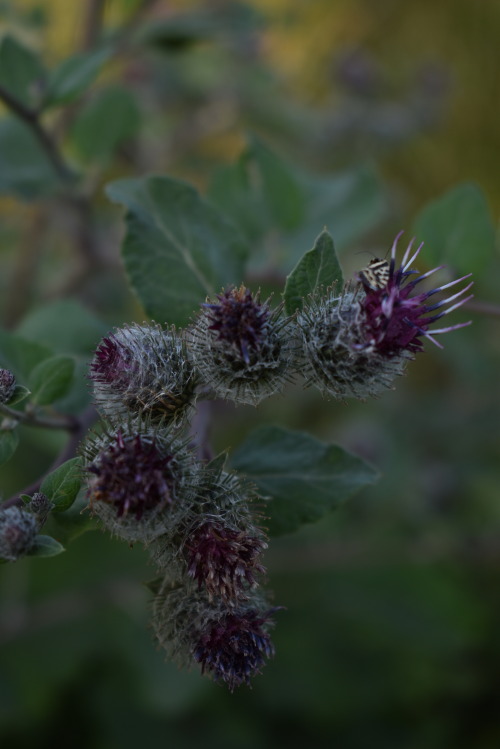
x=200, y=523
x=146, y=482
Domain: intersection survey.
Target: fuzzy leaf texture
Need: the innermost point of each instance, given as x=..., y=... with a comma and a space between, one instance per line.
x=178, y=249
x=319, y=268
x=62, y=485
x=304, y=478
x=458, y=229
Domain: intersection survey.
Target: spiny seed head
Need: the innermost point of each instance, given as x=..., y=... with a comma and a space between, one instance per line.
x=239, y=347
x=234, y=648
x=136, y=477
x=224, y=560
x=354, y=344
x=231, y=644
x=7, y=385
x=143, y=369
x=18, y=529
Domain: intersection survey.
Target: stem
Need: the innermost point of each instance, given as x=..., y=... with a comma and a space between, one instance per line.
x=484, y=308
x=32, y=119
x=94, y=17
x=70, y=423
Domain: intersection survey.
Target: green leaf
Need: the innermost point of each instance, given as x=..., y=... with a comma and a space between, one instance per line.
x=19, y=355
x=51, y=379
x=20, y=393
x=319, y=268
x=9, y=441
x=458, y=229
x=304, y=478
x=21, y=72
x=25, y=170
x=282, y=190
x=45, y=546
x=65, y=325
x=74, y=75
x=110, y=118
x=62, y=485
x=26, y=498
x=178, y=248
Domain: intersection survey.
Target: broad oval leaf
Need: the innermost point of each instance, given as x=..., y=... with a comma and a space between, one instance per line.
x=178, y=248
x=9, y=441
x=21, y=72
x=74, y=75
x=318, y=268
x=304, y=478
x=62, y=485
x=458, y=229
x=45, y=546
x=20, y=393
x=51, y=379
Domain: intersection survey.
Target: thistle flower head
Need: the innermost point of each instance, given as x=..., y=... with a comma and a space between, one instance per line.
x=40, y=506
x=143, y=369
x=7, y=385
x=18, y=529
x=223, y=559
x=135, y=480
x=354, y=344
x=234, y=647
x=396, y=318
x=239, y=348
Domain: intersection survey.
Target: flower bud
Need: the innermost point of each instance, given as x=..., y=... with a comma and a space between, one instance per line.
x=18, y=529
x=40, y=506
x=143, y=369
x=240, y=348
x=7, y=385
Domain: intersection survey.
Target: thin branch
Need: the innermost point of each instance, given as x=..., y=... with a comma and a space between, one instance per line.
x=32, y=119
x=69, y=423
x=94, y=17
x=484, y=308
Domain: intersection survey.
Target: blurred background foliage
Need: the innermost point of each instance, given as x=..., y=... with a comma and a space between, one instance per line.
x=290, y=115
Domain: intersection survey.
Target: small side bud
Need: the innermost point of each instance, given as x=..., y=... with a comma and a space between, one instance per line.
x=18, y=529
x=7, y=385
x=239, y=347
x=40, y=506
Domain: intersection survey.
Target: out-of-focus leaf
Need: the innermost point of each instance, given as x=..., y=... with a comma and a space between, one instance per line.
x=458, y=229
x=62, y=485
x=107, y=120
x=74, y=75
x=45, y=546
x=20, y=355
x=179, y=32
x=25, y=170
x=21, y=72
x=9, y=440
x=319, y=268
x=178, y=248
x=20, y=393
x=281, y=189
x=304, y=478
x=65, y=325
x=51, y=379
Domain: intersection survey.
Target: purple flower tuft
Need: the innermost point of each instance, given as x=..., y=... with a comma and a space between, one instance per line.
x=112, y=363
x=223, y=559
x=132, y=476
x=395, y=318
x=234, y=647
x=7, y=385
x=240, y=319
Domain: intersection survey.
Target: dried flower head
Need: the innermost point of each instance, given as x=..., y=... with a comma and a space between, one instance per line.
x=136, y=477
x=18, y=529
x=230, y=644
x=143, y=369
x=239, y=348
x=234, y=648
x=7, y=385
x=356, y=342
